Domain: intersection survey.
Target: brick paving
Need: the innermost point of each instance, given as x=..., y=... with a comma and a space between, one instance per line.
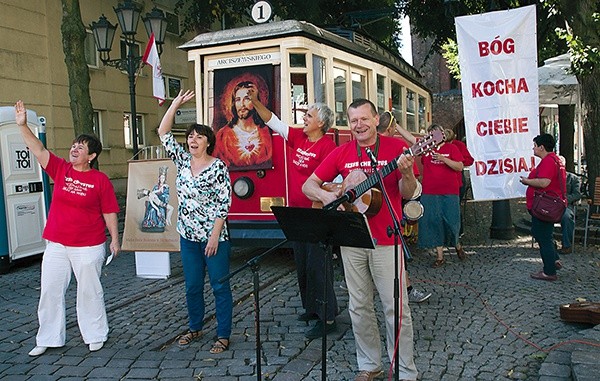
x=486, y=320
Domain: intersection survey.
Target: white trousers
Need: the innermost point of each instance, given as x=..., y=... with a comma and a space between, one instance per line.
x=366, y=270
x=57, y=264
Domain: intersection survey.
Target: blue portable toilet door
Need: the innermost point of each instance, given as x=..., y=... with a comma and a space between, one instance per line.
x=25, y=210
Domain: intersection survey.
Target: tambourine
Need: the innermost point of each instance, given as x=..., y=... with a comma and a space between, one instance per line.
x=413, y=210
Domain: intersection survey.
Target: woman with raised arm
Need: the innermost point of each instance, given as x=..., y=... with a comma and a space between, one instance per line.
x=83, y=206
x=204, y=192
x=308, y=147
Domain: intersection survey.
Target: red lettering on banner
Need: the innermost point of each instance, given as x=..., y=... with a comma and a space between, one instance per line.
x=502, y=126
x=496, y=47
x=506, y=165
x=500, y=87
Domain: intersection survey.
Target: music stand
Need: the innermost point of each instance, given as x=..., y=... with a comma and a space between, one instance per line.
x=329, y=228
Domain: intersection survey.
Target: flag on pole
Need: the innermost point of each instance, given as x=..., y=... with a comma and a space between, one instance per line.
x=151, y=58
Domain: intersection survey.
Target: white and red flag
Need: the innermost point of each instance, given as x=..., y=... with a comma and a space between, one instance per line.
x=151, y=58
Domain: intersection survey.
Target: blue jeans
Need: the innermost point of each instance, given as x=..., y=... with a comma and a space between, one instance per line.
x=195, y=263
x=567, y=224
x=542, y=232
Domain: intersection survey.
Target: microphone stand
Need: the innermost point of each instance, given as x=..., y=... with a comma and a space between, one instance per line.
x=395, y=230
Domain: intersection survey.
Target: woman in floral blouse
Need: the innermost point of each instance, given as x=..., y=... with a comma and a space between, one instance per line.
x=204, y=192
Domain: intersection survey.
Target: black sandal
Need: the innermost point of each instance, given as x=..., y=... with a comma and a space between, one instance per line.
x=189, y=337
x=220, y=346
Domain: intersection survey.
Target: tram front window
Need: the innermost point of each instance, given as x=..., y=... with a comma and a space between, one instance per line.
x=359, y=86
x=319, y=78
x=341, y=101
x=422, y=121
x=297, y=60
x=299, y=98
x=380, y=93
x=397, y=101
x=410, y=111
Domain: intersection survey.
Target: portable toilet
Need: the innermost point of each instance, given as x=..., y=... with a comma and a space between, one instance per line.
x=23, y=191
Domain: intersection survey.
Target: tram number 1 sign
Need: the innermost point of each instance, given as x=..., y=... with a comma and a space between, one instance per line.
x=261, y=12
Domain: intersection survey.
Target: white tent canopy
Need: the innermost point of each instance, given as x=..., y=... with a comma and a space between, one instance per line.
x=556, y=84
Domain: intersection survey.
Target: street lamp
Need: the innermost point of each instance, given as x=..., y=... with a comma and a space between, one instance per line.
x=128, y=14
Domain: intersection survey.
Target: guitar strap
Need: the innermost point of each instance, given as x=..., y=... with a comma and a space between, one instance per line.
x=375, y=151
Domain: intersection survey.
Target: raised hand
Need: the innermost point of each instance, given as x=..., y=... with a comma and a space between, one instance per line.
x=20, y=113
x=183, y=97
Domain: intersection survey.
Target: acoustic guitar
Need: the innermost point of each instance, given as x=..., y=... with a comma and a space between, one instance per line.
x=581, y=312
x=359, y=187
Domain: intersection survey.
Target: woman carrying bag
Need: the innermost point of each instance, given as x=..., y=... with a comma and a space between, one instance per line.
x=549, y=176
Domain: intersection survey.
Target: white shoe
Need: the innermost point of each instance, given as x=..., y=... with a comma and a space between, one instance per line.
x=38, y=350
x=96, y=346
x=417, y=296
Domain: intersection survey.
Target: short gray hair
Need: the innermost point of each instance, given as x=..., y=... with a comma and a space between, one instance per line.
x=324, y=114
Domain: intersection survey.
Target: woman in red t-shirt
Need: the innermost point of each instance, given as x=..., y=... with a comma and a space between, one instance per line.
x=83, y=206
x=307, y=148
x=440, y=223
x=549, y=175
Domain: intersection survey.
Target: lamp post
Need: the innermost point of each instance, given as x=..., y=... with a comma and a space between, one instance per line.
x=128, y=14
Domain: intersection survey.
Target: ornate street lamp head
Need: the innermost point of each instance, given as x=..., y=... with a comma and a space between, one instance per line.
x=104, y=32
x=128, y=14
x=156, y=22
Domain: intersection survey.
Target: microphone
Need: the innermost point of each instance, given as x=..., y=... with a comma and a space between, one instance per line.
x=371, y=156
x=349, y=196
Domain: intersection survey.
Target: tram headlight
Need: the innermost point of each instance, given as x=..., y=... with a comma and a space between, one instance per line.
x=243, y=187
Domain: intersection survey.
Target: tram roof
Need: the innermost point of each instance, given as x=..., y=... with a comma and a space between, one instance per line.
x=351, y=41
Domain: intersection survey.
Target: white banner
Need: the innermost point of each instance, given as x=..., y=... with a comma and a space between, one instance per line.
x=498, y=63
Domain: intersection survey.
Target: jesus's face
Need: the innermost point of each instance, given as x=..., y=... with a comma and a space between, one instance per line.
x=243, y=104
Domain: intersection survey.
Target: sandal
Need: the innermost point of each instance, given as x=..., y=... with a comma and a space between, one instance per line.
x=460, y=252
x=189, y=337
x=438, y=263
x=220, y=346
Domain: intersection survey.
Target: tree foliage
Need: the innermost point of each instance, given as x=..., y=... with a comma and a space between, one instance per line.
x=375, y=18
x=562, y=25
x=435, y=19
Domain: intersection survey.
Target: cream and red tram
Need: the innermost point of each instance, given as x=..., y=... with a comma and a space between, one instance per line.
x=295, y=64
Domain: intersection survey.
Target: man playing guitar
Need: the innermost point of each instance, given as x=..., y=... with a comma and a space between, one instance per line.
x=364, y=268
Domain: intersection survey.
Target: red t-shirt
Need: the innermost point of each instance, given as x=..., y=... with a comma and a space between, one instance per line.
x=79, y=201
x=548, y=169
x=438, y=178
x=304, y=156
x=462, y=148
x=467, y=158
x=345, y=159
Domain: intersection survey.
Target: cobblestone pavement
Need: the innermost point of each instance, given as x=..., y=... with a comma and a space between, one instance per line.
x=486, y=320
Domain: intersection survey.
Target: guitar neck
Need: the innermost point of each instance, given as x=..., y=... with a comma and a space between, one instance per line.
x=428, y=142
x=373, y=179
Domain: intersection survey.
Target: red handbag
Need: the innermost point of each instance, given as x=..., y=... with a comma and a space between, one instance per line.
x=548, y=207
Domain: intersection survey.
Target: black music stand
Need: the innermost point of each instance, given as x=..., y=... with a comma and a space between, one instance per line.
x=329, y=228
x=254, y=265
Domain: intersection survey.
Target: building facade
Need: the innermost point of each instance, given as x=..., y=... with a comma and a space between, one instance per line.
x=33, y=69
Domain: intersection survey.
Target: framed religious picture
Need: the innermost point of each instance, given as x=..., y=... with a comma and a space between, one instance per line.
x=243, y=140
x=151, y=213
